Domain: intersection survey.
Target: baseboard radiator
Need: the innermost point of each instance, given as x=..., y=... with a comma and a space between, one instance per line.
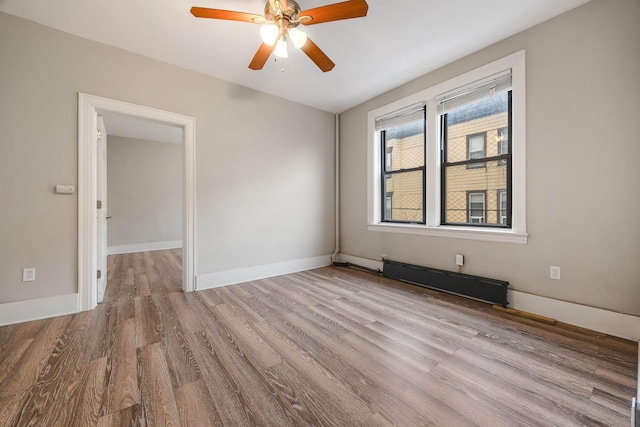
x=480, y=288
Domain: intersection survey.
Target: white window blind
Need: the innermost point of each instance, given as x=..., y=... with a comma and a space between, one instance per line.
x=474, y=92
x=401, y=117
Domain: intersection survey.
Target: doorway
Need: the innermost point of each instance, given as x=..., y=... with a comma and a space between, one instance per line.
x=89, y=107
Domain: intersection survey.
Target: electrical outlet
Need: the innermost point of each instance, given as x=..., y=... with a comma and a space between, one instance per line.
x=28, y=274
x=383, y=256
x=554, y=272
x=459, y=259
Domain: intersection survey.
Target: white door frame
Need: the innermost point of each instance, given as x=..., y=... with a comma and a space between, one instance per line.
x=88, y=108
x=101, y=217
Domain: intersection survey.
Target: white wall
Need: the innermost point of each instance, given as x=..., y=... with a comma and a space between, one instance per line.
x=583, y=148
x=144, y=191
x=263, y=195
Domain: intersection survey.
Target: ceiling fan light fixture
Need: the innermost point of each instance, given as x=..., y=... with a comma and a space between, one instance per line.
x=269, y=33
x=281, y=48
x=299, y=38
x=280, y=19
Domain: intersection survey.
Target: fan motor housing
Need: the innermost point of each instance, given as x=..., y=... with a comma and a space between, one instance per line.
x=290, y=13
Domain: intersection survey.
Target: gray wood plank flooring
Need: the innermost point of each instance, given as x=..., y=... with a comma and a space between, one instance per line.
x=327, y=347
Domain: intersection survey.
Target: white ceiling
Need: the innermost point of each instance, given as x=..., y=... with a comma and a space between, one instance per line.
x=398, y=41
x=138, y=128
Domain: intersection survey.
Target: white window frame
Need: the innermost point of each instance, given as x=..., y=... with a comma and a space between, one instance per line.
x=518, y=231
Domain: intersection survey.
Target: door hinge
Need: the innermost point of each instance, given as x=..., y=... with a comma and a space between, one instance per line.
x=99, y=134
x=99, y=204
x=99, y=274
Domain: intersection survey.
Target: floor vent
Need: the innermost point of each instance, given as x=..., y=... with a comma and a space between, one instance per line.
x=480, y=288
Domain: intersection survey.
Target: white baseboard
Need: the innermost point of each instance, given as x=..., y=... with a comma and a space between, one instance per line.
x=597, y=319
x=241, y=275
x=41, y=308
x=144, y=247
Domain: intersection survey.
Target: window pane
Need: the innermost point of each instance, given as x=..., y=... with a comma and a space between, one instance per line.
x=476, y=208
x=475, y=129
x=469, y=190
x=476, y=146
x=404, y=146
x=404, y=196
x=472, y=190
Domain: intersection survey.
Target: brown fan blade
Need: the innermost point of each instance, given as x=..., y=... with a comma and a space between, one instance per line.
x=335, y=12
x=318, y=56
x=229, y=15
x=261, y=56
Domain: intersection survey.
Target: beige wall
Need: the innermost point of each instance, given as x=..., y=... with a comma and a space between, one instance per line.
x=583, y=146
x=263, y=194
x=144, y=191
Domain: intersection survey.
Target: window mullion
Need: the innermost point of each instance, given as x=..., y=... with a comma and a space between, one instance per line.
x=478, y=160
x=419, y=168
x=509, y=164
x=432, y=173
x=383, y=172
x=443, y=165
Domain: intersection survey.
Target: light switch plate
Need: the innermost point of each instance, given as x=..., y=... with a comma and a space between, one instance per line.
x=65, y=189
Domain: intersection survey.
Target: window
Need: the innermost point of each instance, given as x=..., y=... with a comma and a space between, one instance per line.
x=402, y=136
x=502, y=207
x=476, y=149
x=465, y=125
x=449, y=161
x=476, y=207
x=502, y=141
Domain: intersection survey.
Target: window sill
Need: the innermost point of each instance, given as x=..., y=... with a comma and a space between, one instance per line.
x=468, y=233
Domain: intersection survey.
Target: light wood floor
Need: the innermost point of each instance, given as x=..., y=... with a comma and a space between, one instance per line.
x=325, y=347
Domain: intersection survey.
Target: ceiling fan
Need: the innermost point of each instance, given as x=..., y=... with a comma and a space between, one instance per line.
x=281, y=17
